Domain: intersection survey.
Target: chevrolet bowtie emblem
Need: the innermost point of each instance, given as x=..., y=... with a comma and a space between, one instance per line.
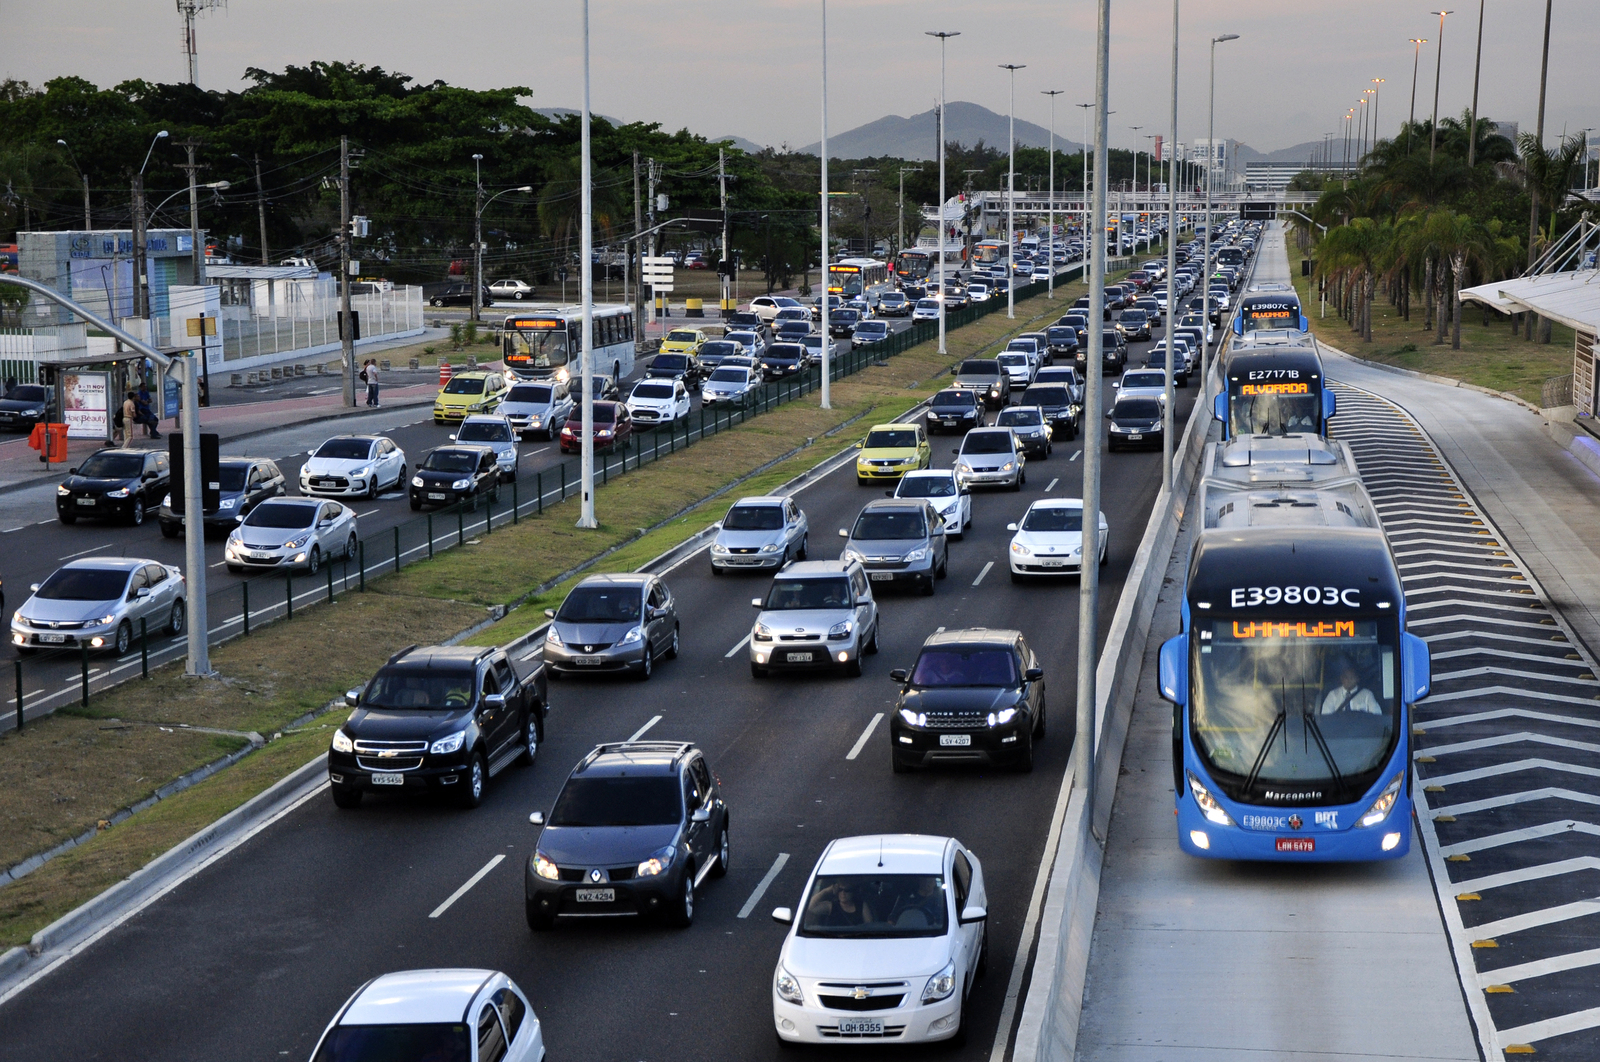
x=860, y=993
x=594, y=875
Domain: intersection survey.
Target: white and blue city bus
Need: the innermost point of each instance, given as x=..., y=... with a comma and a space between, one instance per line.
x=546, y=342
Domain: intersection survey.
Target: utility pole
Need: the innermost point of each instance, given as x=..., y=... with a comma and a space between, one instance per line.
x=1172, y=269
x=586, y=517
x=826, y=399
x=655, y=237
x=141, y=294
x=638, y=255
x=477, y=238
x=261, y=212
x=1052, y=93
x=88, y=219
x=1438, y=62
x=944, y=39
x=347, y=332
x=1477, y=69
x=190, y=167
x=1011, y=192
x=722, y=183
x=1088, y=247
x=900, y=239
x=1533, y=214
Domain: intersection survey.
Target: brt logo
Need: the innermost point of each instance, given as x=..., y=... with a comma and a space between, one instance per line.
x=1330, y=819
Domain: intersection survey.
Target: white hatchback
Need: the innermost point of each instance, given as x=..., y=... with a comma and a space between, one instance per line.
x=353, y=466
x=418, y=1015
x=1049, y=540
x=889, y=938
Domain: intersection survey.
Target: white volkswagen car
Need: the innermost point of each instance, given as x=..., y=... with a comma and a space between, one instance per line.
x=940, y=488
x=889, y=937
x=658, y=402
x=348, y=466
x=424, y=1015
x=1049, y=540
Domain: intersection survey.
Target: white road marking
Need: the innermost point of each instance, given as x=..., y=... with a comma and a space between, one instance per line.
x=219, y=564
x=981, y=574
x=1052, y=486
x=8, y=530
x=742, y=643
x=761, y=887
x=637, y=734
x=479, y=876
x=373, y=512
x=861, y=742
x=92, y=549
x=1075, y=455
x=540, y=450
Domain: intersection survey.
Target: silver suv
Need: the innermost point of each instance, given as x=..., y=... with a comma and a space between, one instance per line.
x=900, y=541
x=817, y=614
x=759, y=532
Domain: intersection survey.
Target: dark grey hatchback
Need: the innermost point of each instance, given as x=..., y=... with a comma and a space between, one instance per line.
x=638, y=826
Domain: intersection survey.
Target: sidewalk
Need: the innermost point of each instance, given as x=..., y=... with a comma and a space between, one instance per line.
x=20, y=466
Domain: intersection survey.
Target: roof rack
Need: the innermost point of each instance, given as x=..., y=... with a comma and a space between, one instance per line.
x=677, y=748
x=402, y=652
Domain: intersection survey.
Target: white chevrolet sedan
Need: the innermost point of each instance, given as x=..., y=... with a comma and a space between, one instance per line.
x=431, y=1015
x=889, y=938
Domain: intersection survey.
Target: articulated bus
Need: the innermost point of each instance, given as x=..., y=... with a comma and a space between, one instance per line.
x=914, y=264
x=1293, y=678
x=546, y=342
x=850, y=277
x=1274, y=390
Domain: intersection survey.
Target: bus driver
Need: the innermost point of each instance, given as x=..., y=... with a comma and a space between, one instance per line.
x=1350, y=695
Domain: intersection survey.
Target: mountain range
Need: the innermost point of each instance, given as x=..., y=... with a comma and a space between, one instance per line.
x=916, y=138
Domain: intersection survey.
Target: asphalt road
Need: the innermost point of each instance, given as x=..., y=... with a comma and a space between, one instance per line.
x=250, y=957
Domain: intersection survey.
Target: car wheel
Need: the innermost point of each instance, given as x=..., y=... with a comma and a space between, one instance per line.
x=721, y=869
x=234, y=569
x=898, y=765
x=647, y=666
x=67, y=519
x=314, y=561
x=351, y=546
x=169, y=530
x=1018, y=577
x=853, y=666
x=530, y=740
x=959, y=1040
x=538, y=921
x=672, y=650
x=517, y=295
x=927, y=585
x=802, y=554
x=983, y=953
x=716, y=570
x=435, y=302
x=1025, y=756
x=471, y=794
x=124, y=638
x=176, y=619
x=757, y=671
x=1039, y=723
x=871, y=648
x=345, y=798
x=416, y=505
x=136, y=514
x=682, y=914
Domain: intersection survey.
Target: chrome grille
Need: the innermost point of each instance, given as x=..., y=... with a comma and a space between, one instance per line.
x=391, y=746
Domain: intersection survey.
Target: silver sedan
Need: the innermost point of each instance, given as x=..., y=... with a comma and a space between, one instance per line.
x=100, y=602
x=292, y=533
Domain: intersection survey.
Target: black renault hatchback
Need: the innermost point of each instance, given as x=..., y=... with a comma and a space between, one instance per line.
x=974, y=696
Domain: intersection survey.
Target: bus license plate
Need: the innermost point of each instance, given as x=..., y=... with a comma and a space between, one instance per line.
x=958, y=740
x=861, y=1027
x=388, y=779
x=1297, y=844
x=798, y=658
x=597, y=895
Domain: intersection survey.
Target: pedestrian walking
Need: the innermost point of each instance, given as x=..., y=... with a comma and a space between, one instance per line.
x=369, y=374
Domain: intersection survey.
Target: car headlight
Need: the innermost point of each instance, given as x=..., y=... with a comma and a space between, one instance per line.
x=963, y=467
x=941, y=984
x=719, y=549
x=914, y=718
x=544, y=868
x=1020, y=550
x=416, y=481
x=1208, y=803
x=461, y=484
x=475, y=406
x=342, y=742
x=62, y=491
x=1008, y=466
x=1002, y=717
x=446, y=745
x=763, y=633
x=657, y=863
x=32, y=412
x=916, y=555
x=552, y=635
x=225, y=503
x=296, y=543
x=1380, y=807
x=770, y=547
x=787, y=987
x=166, y=502
x=120, y=492
x=840, y=630
x=633, y=635
x=853, y=555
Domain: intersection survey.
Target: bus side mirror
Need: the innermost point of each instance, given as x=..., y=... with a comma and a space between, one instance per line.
x=1416, y=668
x=1219, y=406
x=1174, y=669
x=1330, y=405
x=1238, y=326
x=1305, y=323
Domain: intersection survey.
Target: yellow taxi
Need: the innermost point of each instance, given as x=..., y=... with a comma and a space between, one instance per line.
x=890, y=451
x=683, y=341
x=470, y=392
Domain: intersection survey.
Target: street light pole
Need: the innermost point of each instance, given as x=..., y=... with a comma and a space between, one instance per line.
x=1011, y=192
x=1172, y=268
x=1053, y=93
x=900, y=239
x=141, y=294
x=1211, y=165
x=1416, y=57
x=586, y=518
x=1477, y=69
x=1377, y=87
x=1438, y=63
x=88, y=219
x=477, y=238
x=944, y=38
x=1088, y=248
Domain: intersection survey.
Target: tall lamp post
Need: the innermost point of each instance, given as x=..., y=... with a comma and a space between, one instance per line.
x=1011, y=190
x=1477, y=69
x=1416, y=57
x=586, y=517
x=1377, y=86
x=1053, y=93
x=88, y=219
x=1211, y=166
x=1172, y=268
x=900, y=240
x=1438, y=63
x=1088, y=248
x=141, y=297
x=477, y=229
x=944, y=38
x=477, y=238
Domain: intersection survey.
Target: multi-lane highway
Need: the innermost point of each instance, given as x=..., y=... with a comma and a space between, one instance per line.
x=249, y=957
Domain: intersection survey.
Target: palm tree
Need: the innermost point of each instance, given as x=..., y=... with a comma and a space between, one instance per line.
x=560, y=205
x=1546, y=173
x=1357, y=252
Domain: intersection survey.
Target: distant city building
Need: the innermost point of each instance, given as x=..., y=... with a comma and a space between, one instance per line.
x=1507, y=130
x=1212, y=153
x=1265, y=177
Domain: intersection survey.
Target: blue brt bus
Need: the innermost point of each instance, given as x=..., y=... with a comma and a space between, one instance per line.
x=1274, y=390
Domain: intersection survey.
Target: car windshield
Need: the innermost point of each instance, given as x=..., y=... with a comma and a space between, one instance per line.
x=1027, y=346
x=602, y=604
x=743, y=338
x=430, y=689
x=876, y=905
x=957, y=666
x=1295, y=702
x=873, y=326
x=1134, y=317
x=83, y=584
x=718, y=348
x=464, y=385
x=753, y=518
x=927, y=487
x=963, y=399
x=1137, y=409
x=680, y=337
x=653, y=390
x=987, y=442
x=451, y=461
x=345, y=449
x=619, y=801
x=927, y=304
x=785, y=352
x=112, y=466
x=877, y=525
x=670, y=361
x=281, y=514
x=734, y=375
x=979, y=367
x=789, y=595
x=895, y=439
x=1019, y=417
x=27, y=393
x=533, y=394
x=1014, y=358
x=231, y=478
x=1053, y=518
x=383, y=1043
x=484, y=431
x=1144, y=379
x=845, y=313
x=1062, y=334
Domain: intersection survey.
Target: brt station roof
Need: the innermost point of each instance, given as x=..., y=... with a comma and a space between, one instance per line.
x=1571, y=298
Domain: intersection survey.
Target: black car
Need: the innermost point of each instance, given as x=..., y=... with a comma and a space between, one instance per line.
x=1113, y=351
x=1063, y=341
x=245, y=483
x=114, y=484
x=1135, y=421
x=456, y=474
x=1157, y=359
x=1062, y=407
x=791, y=331
x=714, y=350
x=441, y=719
x=955, y=409
x=685, y=367
x=26, y=405
x=745, y=321
x=988, y=378
x=634, y=829
x=782, y=359
x=842, y=322
x=974, y=696
x=459, y=295
x=1082, y=305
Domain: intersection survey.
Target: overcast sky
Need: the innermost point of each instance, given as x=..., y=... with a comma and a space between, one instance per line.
x=752, y=67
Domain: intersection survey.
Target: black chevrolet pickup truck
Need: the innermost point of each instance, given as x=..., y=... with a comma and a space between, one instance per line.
x=441, y=719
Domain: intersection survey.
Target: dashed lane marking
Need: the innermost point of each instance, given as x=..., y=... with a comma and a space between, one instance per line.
x=861, y=742
x=479, y=876
x=763, y=885
x=637, y=734
x=742, y=643
x=1052, y=485
x=981, y=574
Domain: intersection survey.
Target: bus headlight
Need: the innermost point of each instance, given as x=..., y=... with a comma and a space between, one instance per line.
x=1208, y=803
x=1385, y=803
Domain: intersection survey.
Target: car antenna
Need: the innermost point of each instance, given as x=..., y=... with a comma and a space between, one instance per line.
x=880, y=850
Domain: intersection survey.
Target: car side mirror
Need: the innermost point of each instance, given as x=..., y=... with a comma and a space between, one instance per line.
x=783, y=916
x=143, y=591
x=1011, y=527
x=352, y=698
x=452, y=437
x=1174, y=669
x=973, y=914
x=549, y=613
x=755, y=602
x=536, y=819
x=955, y=450
x=659, y=613
x=494, y=700
x=843, y=533
x=860, y=444
x=1033, y=674
x=701, y=815
x=899, y=674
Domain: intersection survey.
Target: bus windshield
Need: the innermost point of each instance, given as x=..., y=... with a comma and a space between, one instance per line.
x=844, y=282
x=536, y=348
x=914, y=265
x=1297, y=703
x=1274, y=408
